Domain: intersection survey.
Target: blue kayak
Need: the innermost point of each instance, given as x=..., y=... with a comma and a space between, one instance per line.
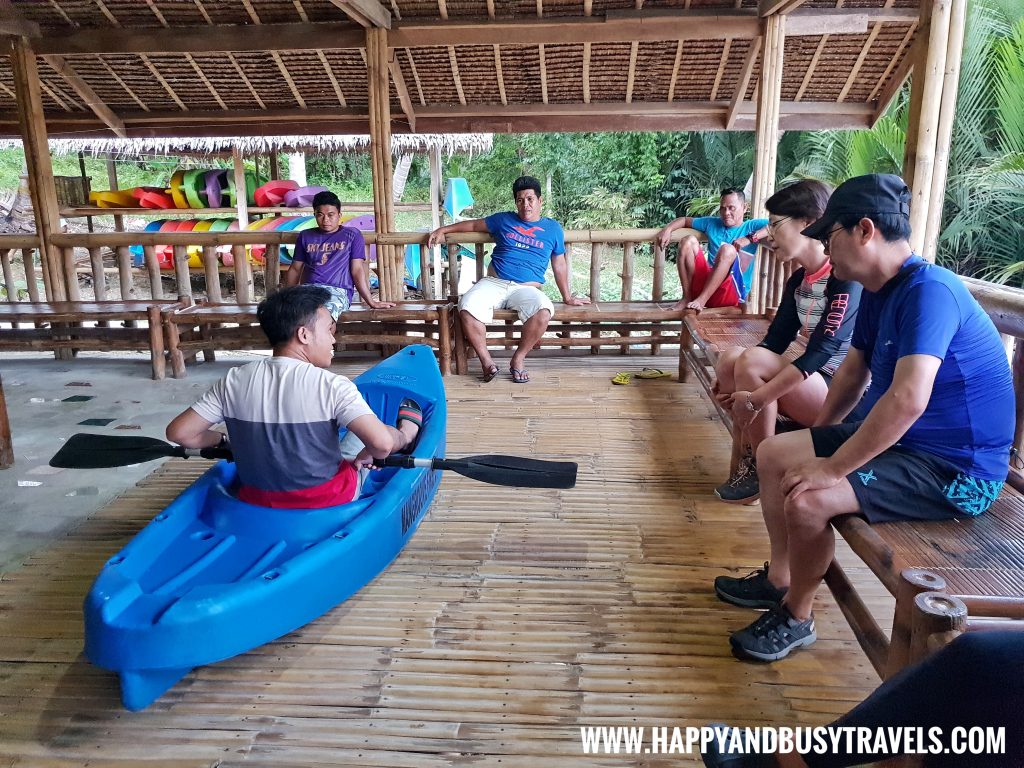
x=211, y=577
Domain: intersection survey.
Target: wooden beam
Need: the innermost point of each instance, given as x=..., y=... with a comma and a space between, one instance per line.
x=769, y=7
x=329, y=71
x=543, y=75
x=812, y=67
x=42, y=191
x=395, y=68
x=365, y=13
x=454, y=62
x=288, y=78
x=631, y=72
x=501, y=75
x=586, y=73
x=83, y=89
x=416, y=77
x=741, y=87
x=855, y=70
x=654, y=26
x=160, y=78
x=718, y=75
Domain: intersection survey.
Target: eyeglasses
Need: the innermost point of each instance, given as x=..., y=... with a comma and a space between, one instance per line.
x=827, y=237
x=773, y=226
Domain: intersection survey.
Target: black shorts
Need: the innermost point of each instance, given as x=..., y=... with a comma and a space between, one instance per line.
x=902, y=484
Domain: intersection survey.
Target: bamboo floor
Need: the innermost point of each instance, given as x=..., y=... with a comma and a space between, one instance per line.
x=511, y=619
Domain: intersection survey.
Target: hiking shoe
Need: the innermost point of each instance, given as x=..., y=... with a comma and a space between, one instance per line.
x=718, y=753
x=773, y=635
x=752, y=591
x=742, y=487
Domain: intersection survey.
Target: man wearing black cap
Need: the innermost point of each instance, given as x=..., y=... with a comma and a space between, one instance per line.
x=917, y=425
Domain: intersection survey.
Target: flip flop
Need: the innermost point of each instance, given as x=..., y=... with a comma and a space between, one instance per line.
x=490, y=373
x=519, y=375
x=622, y=378
x=653, y=373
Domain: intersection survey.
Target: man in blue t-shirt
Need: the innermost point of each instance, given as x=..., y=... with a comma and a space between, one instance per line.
x=332, y=255
x=524, y=244
x=929, y=440
x=721, y=278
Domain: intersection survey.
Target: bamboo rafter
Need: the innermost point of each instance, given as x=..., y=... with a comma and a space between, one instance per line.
x=894, y=62
x=248, y=83
x=500, y=75
x=855, y=70
x=543, y=76
x=586, y=73
x=454, y=62
x=675, y=72
x=288, y=79
x=741, y=86
x=721, y=67
x=415, y=76
x=160, y=79
x=812, y=67
x=631, y=72
x=330, y=76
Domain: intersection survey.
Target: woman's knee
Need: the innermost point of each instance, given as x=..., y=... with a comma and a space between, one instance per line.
x=758, y=361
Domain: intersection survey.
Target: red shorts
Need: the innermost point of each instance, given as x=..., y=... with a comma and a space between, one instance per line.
x=725, y=296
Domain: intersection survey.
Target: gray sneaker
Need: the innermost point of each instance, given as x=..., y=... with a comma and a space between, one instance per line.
x=773, y=635
x=752, y=591
x=742, y=487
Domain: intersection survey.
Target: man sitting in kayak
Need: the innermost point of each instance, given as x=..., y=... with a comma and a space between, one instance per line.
x=283, y=413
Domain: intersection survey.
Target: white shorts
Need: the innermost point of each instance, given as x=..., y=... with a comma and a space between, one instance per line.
x=490, y=294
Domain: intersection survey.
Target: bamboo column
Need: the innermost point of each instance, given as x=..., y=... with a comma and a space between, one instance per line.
x=40, y=169
x=114, y=184
x=925, y=105
x=378, y=78
x=944, y=131
x=767, y=130
x=435, y=221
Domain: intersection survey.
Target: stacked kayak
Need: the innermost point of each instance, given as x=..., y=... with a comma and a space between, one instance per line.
x=211, y=577
x=200, y=188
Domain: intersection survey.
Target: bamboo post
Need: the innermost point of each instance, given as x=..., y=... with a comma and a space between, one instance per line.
x=453, y=270
x=99, y=278
x=67, y=257
x=944, y=129
x=658, y=278
x=435, y=218
x=272, y=272
x=937, y=613
x=628, y=252
x=156, y=287
x=926, y=100
x=244, y=286
x=595, y=286
x=31, y=282
x=112, y=180
x=40, y=169
x=12, y=289
x=913, y=581
x=212, y=274
x=181, y=273
x=124, y=272
x=767, y=134
x=6, y=444
x=275, y=168
x=241, y=196
x=478, y=251
x=158, y=359
x=85, y=186
x=378, y=78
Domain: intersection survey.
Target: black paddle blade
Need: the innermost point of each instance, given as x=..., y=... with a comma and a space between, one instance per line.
x=515, y=471
x=85, y=451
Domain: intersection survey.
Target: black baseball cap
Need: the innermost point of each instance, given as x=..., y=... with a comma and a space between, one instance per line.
x=874, y=194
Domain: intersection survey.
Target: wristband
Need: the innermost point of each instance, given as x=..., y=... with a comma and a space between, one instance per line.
x=753, y=238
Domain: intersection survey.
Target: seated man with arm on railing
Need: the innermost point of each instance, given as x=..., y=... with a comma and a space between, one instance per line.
x=721, y=277
x=759, y=383
x=524, y=244
x=283, y=413
x=331, y=254
x=929, y=438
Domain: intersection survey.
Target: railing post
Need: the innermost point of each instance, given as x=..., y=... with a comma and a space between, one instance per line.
x=9, y=284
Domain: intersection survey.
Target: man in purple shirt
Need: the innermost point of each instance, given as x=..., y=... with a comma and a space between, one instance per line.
x=332, y=255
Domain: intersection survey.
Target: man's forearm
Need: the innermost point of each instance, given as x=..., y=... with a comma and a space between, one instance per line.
x=888, y=421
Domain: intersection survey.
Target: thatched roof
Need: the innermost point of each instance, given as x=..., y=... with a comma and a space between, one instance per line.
x=254, y=67
x=113, y=147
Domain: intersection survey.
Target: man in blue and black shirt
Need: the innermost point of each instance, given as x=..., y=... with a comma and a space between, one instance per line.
x=917, y=425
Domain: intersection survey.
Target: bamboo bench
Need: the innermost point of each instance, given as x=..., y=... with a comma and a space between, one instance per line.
x=976, y=563
x=601, y=324
x=209, y=327
x=101, y=326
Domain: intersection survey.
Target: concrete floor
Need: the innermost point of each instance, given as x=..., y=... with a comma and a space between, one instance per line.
x=39, y=503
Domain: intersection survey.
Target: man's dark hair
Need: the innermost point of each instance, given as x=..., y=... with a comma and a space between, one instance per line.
x=523, y=183
x=326, y=198
x=893, y=227
x=803, y=200
x=281, y=314
x=733, y=191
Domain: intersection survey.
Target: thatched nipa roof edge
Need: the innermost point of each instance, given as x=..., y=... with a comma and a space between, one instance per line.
x=117, y=148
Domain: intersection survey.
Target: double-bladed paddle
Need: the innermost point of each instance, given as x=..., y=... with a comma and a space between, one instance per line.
x=89, y=451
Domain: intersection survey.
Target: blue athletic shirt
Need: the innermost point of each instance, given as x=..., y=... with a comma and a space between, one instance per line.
x=522, y=249
x=970, y=415
x=718, y=234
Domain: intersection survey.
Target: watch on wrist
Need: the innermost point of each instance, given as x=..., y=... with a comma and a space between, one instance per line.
x=750, y=406
x=753, y=238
